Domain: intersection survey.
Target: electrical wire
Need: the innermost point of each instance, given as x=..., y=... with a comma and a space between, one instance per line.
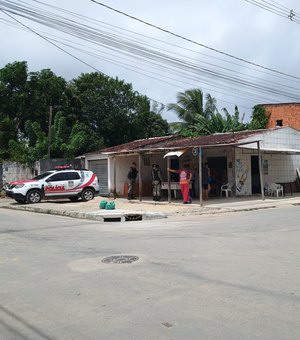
x=276, y=8
x=192, y=41
x=155, y=57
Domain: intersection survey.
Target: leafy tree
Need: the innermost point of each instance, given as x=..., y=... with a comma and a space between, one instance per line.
x=149, y=123
x=29, y=149
x=13, y=79
x=259, y=118
x=219, y=123
x=111, y=109
x=89, y=112
x=199, y=121
x=189, y=106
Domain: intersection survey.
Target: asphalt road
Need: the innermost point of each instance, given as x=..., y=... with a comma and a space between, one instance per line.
x=229, y=276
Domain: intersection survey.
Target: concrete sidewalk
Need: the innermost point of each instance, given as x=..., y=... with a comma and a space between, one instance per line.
x=148, y=209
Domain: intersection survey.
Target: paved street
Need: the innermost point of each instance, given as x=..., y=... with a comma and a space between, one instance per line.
x=226, y=276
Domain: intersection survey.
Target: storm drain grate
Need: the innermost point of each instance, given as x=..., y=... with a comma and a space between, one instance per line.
x=133, y=217
x=112, y=219
x=120, y=259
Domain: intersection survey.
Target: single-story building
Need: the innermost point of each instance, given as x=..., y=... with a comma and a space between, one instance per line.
x=235, y=153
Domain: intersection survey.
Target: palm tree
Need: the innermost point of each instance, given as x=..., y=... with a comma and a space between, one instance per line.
x=210, y=105
x=189, y=105
x=219, y=123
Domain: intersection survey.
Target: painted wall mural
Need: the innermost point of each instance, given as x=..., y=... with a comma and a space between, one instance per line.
x=242, y=171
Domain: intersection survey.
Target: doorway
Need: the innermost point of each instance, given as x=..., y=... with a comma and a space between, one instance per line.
x=255, y=177
x=218, y=167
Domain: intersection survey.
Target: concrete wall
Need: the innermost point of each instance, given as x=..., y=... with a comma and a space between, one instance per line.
x=277, y=167
x=12, y=171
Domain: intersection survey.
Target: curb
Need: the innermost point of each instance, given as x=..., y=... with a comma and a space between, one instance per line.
x=103, y=216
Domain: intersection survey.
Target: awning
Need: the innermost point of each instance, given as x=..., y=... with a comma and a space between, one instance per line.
x=177, y=153
x=272, y=150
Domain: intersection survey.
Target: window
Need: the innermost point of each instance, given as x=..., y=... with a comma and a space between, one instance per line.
x=57, y=177
x=72, y=175
x=279, y=122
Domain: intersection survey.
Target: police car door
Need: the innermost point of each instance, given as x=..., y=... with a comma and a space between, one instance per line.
x=73, y=182
x=56, y=185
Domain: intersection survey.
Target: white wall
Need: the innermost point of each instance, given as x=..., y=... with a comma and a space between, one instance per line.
x=277, y=167
x=13, y=171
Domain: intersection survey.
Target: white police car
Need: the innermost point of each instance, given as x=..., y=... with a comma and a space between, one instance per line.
x=62, y=182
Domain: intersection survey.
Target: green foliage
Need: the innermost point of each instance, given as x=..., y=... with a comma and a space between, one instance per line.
x=199, y=121
x=89, y=112
x=259, y=118
x=115, y=112
x=189, y=106
x=218, y=123
x=29, y=149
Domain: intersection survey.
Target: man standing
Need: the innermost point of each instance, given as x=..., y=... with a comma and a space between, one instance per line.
x=156, y=182
x=131, y=176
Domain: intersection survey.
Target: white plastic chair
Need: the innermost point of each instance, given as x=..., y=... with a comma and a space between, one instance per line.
x=276, y=189
x=227, y=188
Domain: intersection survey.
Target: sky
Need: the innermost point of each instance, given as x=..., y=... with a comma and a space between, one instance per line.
x=239, y=52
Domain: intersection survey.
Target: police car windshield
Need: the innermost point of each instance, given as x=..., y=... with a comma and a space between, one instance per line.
x=43, y=175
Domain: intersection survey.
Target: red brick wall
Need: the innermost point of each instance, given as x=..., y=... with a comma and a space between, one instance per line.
x=288, y=113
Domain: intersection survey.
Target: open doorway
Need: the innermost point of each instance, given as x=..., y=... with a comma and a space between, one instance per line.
x=218, y=170
x=255, y=177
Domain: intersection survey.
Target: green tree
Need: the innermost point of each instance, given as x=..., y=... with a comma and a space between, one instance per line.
x=27, y=97
x=13, y=79
x=111, y=109
x=149, y=123
x=259, y=118
x=219, y=123
x=189, y=106
x=199, y=121
x=89, y=112
x=30, y=146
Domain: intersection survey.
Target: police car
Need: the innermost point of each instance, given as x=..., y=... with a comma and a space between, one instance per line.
x=61, y=182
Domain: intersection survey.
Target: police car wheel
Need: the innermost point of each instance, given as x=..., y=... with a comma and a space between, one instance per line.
x=33, y=196
x=87, y=194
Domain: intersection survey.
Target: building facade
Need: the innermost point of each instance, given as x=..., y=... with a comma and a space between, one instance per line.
x=285, y=114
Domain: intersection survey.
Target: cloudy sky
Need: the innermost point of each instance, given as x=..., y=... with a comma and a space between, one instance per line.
x=241, y=52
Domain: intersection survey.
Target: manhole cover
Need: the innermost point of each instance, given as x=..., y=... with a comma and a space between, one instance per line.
x=120, y=259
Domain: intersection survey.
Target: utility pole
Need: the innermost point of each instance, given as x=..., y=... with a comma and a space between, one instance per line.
x=49, y=132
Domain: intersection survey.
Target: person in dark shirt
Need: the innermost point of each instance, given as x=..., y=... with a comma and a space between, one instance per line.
x=131, y=176
x=156, y=182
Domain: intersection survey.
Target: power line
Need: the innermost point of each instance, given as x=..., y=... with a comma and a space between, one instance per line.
x=192, y=41
x=160, y=59
x=62, y=49
x=276, y=8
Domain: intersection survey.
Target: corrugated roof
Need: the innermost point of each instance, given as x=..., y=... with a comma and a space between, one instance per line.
x=176, y=142
x=137, y=144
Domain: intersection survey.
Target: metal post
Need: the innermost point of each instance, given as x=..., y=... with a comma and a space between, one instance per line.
x=200, y=177
x=260, y=172
x=169, y=180
x=115, y=177
x=140, y=179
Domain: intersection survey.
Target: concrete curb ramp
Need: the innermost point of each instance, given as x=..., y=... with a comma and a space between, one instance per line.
x=98, y=215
